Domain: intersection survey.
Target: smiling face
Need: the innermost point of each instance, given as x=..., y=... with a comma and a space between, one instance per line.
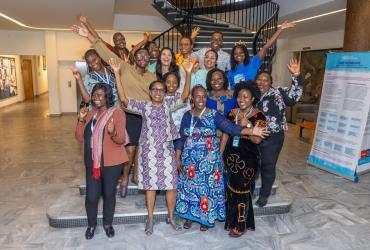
x=166, y=57
x=186, y=47
x=99, y=98
x=142, y=58
x=217, y=81
x=94, y=62
x=245, y=99
x=157, y=93
x=119, y=41
x=210, y=60
x=239, y=55
x=172, y=84
x=199, y=98
x=216, y=41
x=263, y=82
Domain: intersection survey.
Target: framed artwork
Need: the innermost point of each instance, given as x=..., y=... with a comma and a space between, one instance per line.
x=8, y=79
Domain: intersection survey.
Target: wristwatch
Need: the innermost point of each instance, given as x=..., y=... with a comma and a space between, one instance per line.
x=249, y=125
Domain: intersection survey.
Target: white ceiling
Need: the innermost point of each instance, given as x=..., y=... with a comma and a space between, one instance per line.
x=63, y=13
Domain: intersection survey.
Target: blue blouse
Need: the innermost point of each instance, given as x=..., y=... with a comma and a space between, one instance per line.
x=244, y=72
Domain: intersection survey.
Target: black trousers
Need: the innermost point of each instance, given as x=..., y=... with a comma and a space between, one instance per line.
x=106, y=186
x=270, y=149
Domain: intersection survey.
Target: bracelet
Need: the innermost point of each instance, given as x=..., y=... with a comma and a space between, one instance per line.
x=81, y=120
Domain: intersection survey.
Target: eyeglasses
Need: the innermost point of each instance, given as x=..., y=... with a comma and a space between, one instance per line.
x=141, y=57
x=155, y=90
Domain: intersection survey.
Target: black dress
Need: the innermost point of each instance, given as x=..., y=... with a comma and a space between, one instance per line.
x=241, y=163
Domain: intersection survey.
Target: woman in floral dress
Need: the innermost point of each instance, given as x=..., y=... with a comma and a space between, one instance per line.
x=201, y=193
x=273, y=103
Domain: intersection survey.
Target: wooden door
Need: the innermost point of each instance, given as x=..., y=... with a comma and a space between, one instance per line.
x=27, y=79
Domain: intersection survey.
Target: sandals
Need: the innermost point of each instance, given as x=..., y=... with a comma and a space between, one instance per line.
x=203, y=228
x=149, y=227
x=187, y=224
x=235, y=233
x=176, y=226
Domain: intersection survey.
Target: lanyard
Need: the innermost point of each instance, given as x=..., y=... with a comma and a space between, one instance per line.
x=192, y=125
x=107, y=77
x=249, y=111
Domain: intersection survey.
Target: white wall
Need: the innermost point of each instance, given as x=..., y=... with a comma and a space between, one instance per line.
x=61, y=48
x=327, y=40
x=18, y=72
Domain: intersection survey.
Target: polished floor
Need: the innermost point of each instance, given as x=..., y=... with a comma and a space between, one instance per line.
x=39, y=160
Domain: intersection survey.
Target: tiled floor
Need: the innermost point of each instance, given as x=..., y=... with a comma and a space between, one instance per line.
x=39, y=159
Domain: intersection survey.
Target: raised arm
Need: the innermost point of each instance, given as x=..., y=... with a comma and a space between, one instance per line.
x=292, y=95
x=89, y=27
x=147, y=38
x=275, y=36
x=104, y=52
x=195, y=33
x=115, y=65
x=188, y=68
x=84, y=93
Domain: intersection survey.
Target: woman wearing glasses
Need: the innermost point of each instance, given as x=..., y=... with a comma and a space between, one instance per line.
x=157, y=159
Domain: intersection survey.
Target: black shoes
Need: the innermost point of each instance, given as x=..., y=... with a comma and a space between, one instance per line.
x=109, y=231
x=89, y=234
x=262, y=201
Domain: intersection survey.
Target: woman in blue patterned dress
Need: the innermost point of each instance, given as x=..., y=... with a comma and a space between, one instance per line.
x=201, y=193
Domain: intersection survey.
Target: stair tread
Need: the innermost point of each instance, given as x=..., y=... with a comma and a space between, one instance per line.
x=70, y=205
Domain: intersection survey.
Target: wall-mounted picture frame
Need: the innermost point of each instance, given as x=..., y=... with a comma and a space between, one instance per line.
x=8, y=78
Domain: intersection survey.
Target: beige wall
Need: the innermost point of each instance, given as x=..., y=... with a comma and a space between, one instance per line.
x=286, y=47
x=61, y=48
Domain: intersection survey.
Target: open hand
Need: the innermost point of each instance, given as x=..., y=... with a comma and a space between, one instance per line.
x=195, y=32
x=81, y=30
x=110, y=127
x=287, y=25
x=115, y=65
x=83, y=113
x=188, y=66
x=260, y=132
x=76, y=74
x=294, y=67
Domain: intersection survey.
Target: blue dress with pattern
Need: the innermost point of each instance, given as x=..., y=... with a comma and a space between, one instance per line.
x=201, y=191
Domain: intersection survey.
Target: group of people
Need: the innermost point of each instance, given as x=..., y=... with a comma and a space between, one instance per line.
x=202, y=125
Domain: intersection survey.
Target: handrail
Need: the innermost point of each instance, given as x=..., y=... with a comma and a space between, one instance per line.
x=264, y=33
x=252, y=16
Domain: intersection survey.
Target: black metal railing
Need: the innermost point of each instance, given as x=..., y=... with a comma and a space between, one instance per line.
x=258, y=17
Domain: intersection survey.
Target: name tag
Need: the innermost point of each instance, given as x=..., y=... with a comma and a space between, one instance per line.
x=236, y=140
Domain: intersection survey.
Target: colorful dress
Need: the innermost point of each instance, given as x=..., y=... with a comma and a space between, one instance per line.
x=157, y=159
x=223, y=104
x=242, y=161
x=200, y=192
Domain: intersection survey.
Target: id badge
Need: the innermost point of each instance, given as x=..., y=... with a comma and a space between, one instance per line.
x=236, y=140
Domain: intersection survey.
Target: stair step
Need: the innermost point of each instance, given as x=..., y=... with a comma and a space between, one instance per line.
x=69, y=209
x=219, y=28
x=132, y=189
x=243, y=37
x=228, y=32
x=197, y=20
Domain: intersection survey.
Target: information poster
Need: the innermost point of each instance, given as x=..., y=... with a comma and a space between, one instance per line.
x=341, y=143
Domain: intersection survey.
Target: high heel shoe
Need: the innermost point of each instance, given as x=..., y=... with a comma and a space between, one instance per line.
x=176, y=226
x=149, y=225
